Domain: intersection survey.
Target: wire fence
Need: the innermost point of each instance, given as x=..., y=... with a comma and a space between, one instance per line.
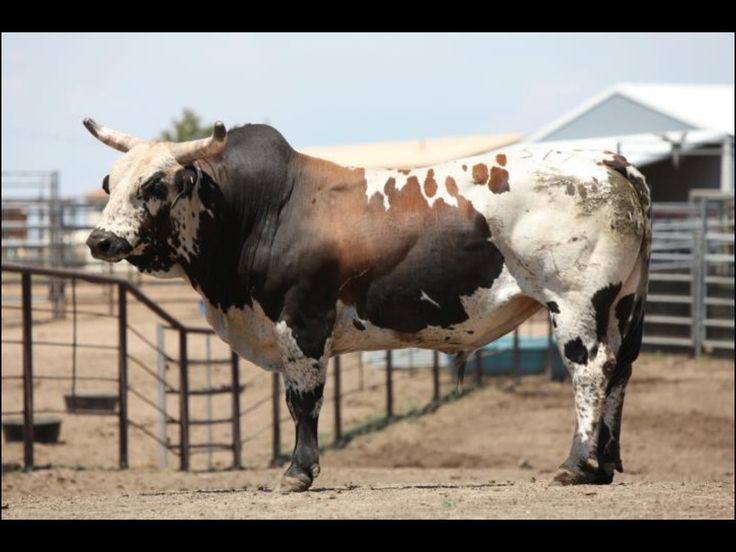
x=184, y=394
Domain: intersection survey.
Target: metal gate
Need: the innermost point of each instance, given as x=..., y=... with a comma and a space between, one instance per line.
x=691, y=291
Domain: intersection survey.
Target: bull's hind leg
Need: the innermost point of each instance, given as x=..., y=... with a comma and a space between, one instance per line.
x=589, y=341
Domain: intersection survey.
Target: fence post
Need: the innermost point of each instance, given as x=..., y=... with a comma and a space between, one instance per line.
x=700, y=309
x=123, y=374
x=338, y=425
x=235, y=363
x=183, y=402
x=56, y=245
x=435, y=376
x=163, y=417
x=276, y=422
x=389, y=386
x=208, y=380
x=27, y=374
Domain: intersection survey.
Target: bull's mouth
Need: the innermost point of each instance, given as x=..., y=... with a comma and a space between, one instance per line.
x=109, y=259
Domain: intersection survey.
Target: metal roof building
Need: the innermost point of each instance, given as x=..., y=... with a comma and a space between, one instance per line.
x=681, y=136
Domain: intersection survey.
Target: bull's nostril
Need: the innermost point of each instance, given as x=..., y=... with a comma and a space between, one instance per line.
x=103, y=246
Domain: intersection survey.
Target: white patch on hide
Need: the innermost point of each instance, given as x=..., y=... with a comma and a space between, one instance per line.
x=428, y=299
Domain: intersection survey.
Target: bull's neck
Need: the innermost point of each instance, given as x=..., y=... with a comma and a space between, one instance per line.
x=238, y=218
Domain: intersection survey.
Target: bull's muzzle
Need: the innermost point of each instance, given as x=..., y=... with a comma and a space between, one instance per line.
x=107, y=246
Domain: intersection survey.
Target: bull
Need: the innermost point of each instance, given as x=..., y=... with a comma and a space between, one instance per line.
x=298, y=259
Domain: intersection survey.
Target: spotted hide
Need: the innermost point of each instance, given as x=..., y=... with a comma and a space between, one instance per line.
x=298, y=259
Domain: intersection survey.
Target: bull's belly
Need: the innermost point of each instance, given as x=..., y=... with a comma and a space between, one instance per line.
x=491, y=313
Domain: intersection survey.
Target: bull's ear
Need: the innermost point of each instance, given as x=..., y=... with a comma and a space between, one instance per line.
x=185, y=180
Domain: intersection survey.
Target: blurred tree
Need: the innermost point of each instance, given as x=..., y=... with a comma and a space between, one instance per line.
x=187, y=127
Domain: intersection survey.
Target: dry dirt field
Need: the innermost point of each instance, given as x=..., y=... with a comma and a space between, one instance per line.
x=488, y=455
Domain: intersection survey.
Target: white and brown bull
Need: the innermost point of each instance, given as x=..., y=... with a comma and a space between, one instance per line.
x=298, y=259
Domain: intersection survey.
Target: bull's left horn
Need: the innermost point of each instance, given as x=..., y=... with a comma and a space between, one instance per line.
x=113, y=138
x=186, y=152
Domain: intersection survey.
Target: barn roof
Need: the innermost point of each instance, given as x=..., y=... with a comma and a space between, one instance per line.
x=643, y=149
x=412, y=153
x=644, y=108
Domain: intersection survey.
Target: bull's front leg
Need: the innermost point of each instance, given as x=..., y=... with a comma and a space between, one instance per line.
x=305, y=350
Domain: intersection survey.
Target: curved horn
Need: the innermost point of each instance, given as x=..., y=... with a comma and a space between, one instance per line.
x=186, y=152
x=113, y=138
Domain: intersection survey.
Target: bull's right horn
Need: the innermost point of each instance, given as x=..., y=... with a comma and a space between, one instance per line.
x=113, y=138
x=186, y=152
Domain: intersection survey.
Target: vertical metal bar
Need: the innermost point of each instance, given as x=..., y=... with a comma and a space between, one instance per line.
x=123, y=374
x=389, y=385
x=235, y=365
x=111, y=299
x=695, y=290
x=703, y=274
x=55, y=245
x=517, y=363
x=161, y=364
x=697, y=287
x=208, y=378
x=435, y=375
x=338, y=425
x=27, y=373
x=727, y=164
x=276, y=420
x=479, y=367
x=183, y=403
x=74, y=344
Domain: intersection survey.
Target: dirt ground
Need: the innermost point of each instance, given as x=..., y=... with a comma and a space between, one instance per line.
x=488, y=455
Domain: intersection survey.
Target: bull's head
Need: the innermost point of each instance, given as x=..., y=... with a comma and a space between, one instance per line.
x=144, y=216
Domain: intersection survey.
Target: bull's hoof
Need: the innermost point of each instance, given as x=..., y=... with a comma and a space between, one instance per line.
x=297, y=479
x=294, y=483
x=566, y=476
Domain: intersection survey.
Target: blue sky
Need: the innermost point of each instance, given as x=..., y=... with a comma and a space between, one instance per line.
x=317, y=89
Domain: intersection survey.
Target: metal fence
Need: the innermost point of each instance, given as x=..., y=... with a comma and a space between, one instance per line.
x=691, y=291
x=349, y=380
x=125, y=292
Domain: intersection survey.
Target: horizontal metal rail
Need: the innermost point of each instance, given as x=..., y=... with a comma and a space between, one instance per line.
x=720, y=301
x=666, y=340
x=719, y=323
x=213, y=421
x=664, y=277
x=720, y=280
x=62, y=378
x=658, y=298
x=105, y=279
x=662, y=319
x=719, y=344
x=61, y=344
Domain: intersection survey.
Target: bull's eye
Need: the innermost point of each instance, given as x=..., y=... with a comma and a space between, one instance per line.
x=155, y=187
x=159, y=190
x=106, y=184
